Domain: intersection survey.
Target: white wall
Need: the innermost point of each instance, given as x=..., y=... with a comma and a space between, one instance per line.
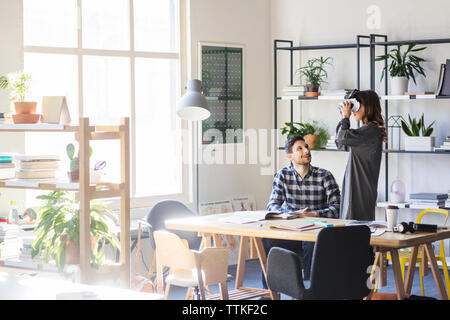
x=245, y=23
x=332, y=22
x=10, y=60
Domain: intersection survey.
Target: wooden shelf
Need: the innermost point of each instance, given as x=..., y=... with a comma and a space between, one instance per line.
x=85, y=191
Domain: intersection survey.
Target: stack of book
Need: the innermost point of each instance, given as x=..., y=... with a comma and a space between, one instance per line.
x=36, y=166
x=10, y=243
x=335, y=92
x=7, y=167
x=331, y=144
x=294, y=90
x=427, y=200
x=445, y=145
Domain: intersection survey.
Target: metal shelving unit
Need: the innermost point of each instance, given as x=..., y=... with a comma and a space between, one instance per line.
x=291, y=49
x=373, y=43
x=387, y=98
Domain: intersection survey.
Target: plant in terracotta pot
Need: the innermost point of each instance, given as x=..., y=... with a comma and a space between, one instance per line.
x=74, y=173
x=402, y=67
x=315, y=134
x=59, y=230
x=314, y=74
x=18, y=83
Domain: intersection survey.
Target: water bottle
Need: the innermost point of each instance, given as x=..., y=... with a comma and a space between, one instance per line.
x=13, y=216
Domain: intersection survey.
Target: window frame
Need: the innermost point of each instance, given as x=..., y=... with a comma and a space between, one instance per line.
x=186, y=194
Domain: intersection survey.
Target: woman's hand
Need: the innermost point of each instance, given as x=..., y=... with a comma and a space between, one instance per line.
x=346, y=109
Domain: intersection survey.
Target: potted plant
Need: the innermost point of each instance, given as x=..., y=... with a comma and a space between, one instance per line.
x=314, y=133
x=74, y=173
x=19, y=83
x=418, y=135
x=59, y=230
x=315, y=74
x=402, y=67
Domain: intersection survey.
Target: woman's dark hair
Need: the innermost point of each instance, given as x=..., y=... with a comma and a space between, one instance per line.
x=290, y=142
x=372, y=108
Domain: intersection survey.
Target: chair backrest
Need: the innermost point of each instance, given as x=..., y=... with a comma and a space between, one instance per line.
x=284, y=272
x=340, y=262
x=173, y=252
x=171, y=209
x=214, y=264
x=440, y=211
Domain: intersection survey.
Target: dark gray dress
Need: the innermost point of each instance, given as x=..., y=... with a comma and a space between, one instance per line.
x=359, y=188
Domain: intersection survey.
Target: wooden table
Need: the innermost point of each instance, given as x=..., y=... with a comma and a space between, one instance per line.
x=212, y=225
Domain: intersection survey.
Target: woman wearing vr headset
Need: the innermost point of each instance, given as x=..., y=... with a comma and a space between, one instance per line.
x=359, y=188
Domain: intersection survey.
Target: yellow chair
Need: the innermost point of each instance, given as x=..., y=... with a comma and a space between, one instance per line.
x=423, y=264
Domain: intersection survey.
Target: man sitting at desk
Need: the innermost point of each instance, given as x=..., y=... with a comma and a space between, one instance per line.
x=303, y=188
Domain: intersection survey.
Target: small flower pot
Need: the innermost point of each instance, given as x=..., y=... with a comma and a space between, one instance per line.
x=312, y=90
x=419, y=143
x=73, y=249
x=399, y=85
x=25, y=107
x=74, y=176
x=310, y=140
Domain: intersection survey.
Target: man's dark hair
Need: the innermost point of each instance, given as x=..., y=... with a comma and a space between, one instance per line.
x=290, y=142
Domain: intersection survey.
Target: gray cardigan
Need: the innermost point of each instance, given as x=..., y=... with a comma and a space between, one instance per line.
x=359, y=188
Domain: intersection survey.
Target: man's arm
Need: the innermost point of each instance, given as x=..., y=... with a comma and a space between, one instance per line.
x=277, y=196
x=333, y=198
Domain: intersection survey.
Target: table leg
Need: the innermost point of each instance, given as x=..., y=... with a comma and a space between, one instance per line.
x=411, y=269
x=263, y=261
x=159, y=277
x=373, y=273
x=241, y=262
x=397, y=274
x=435, y=270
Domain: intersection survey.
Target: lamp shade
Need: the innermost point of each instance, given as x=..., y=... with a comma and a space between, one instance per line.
x=193, y=105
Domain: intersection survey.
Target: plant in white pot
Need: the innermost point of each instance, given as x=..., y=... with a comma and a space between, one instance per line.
x=418, y=135
x=402, y=67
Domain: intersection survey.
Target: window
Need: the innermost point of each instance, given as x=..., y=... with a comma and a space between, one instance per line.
x=112, y=58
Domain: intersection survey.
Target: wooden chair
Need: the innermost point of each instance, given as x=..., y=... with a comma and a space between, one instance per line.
x=421, y=258
x=190, y=268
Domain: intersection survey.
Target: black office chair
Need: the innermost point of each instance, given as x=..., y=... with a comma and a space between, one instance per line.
x=339, y=266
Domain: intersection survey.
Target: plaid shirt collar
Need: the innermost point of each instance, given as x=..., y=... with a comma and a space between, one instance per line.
x=298, y=176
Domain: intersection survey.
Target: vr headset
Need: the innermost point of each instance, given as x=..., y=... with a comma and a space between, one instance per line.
x=353, y=102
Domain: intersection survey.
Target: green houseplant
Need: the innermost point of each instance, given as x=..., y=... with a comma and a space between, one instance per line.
x=315, y=134
x=59, y=229
x=314, y=74
x=418, y=135
x=18, y=83
x=402, y=67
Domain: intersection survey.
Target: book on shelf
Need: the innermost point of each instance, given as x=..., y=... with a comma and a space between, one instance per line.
x=440, y=79
x=445, y=91
x=420, y=205
x=39, y=164
x=418, y=93
x=24, y=157
x=35, y=173
x=428, y=196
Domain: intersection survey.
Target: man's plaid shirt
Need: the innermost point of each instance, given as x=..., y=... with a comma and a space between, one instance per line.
x=318, y=191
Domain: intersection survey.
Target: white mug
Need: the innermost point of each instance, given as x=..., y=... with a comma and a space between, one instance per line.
x=391, y=216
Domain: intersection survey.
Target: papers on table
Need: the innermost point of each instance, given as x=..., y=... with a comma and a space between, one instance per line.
x=242, y=217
